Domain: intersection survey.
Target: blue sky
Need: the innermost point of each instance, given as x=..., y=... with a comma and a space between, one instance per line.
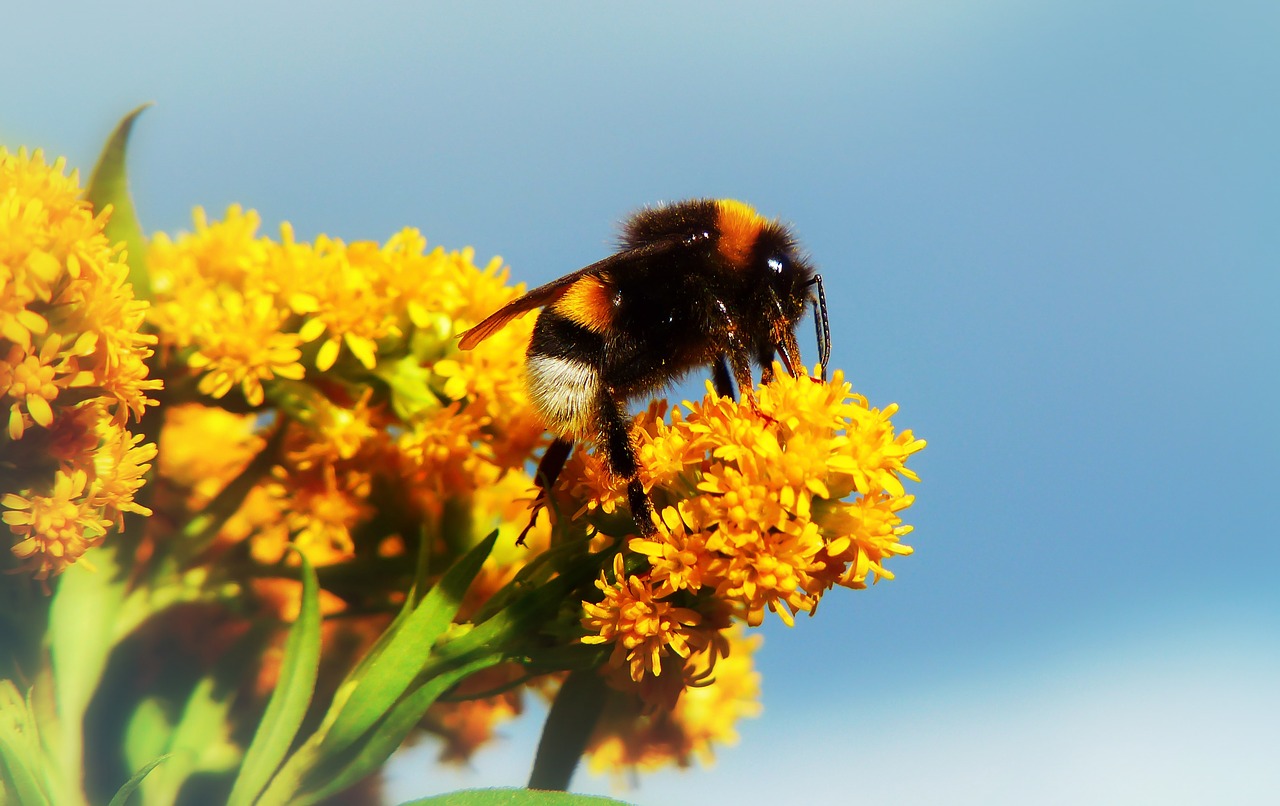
x=1048, y=231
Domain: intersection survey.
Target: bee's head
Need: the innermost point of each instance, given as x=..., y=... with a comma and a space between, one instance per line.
x=785, y=285
x=775, y=277
x=785, y=272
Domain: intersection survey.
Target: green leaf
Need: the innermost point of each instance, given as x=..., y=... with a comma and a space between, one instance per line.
x=147, y=734
x=83, y=629
x=22, y=765
x=512, y=797
x=371, y=689
x=389, y=733
x=390, y=669
x=199, y=742
x=289, y=701
x=122, y=795
x=109, y=184
x=480, y=647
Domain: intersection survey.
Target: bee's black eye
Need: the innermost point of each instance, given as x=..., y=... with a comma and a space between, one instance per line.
x=777, y=264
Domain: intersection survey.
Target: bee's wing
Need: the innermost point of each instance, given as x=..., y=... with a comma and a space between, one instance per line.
x=538, y=297
x=552, y=291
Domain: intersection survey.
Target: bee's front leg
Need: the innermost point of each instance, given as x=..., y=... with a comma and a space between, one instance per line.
x=739, y=359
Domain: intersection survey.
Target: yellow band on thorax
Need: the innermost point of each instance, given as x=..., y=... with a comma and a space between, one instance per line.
x=739, y=225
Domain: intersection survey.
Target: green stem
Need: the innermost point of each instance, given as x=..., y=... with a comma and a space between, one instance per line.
x=570, y=723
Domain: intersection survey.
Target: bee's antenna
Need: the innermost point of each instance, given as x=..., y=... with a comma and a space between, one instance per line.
x=822, y=326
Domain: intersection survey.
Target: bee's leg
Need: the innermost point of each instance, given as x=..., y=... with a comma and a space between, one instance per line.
x=721, y=378
x=620, y=452
x=549, y=467
x=765, y=359
x=738, y=358
x=790, y=352
x=791, y=359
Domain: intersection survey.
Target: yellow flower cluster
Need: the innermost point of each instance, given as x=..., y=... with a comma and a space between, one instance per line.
x=758, y=510
x=315, y=396
x=72, y=369
x=354, y=344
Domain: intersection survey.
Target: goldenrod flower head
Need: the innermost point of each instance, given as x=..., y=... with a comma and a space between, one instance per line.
x=323, y=510
x=72, y=367
x=246, y=349
x=28, y=380
x=643, y=627
x=55, y=529
x=353, y=344
x=120, y=465
x=758, y=510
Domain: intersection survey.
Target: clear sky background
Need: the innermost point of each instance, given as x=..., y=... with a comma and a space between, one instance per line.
x=1048, y=231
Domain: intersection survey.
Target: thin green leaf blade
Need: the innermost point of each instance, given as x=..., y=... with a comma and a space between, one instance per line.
x=199, y=742
x=381, y=677
x=83, y=629
x=376, y=688
x=415, y=597
x=288, y=703
x=380, y=742
x=146, y=735
x=109, y=184
x=21, y=762
x=125, y=792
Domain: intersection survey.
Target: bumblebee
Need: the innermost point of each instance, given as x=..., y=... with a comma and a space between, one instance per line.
x=708, y=282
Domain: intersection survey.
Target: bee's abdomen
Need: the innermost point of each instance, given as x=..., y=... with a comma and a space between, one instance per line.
x=563, y=376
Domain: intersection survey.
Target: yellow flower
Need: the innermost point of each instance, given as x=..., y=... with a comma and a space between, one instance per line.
x=246, y=348
x=334, y=433
x=440, y=457
x=323, y=512
x=316, y=511
x=57, y=528
x=203, y=447
x=120, y=465
x=757, y=513
x=679, y=558
x=642, y=627
x=218, y=254
x=349, y=293
x=353, y=346
x=72, y=367
x=870, y=531
x=28, y=380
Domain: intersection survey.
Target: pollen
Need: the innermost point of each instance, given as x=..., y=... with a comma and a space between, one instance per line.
x=739, y=226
